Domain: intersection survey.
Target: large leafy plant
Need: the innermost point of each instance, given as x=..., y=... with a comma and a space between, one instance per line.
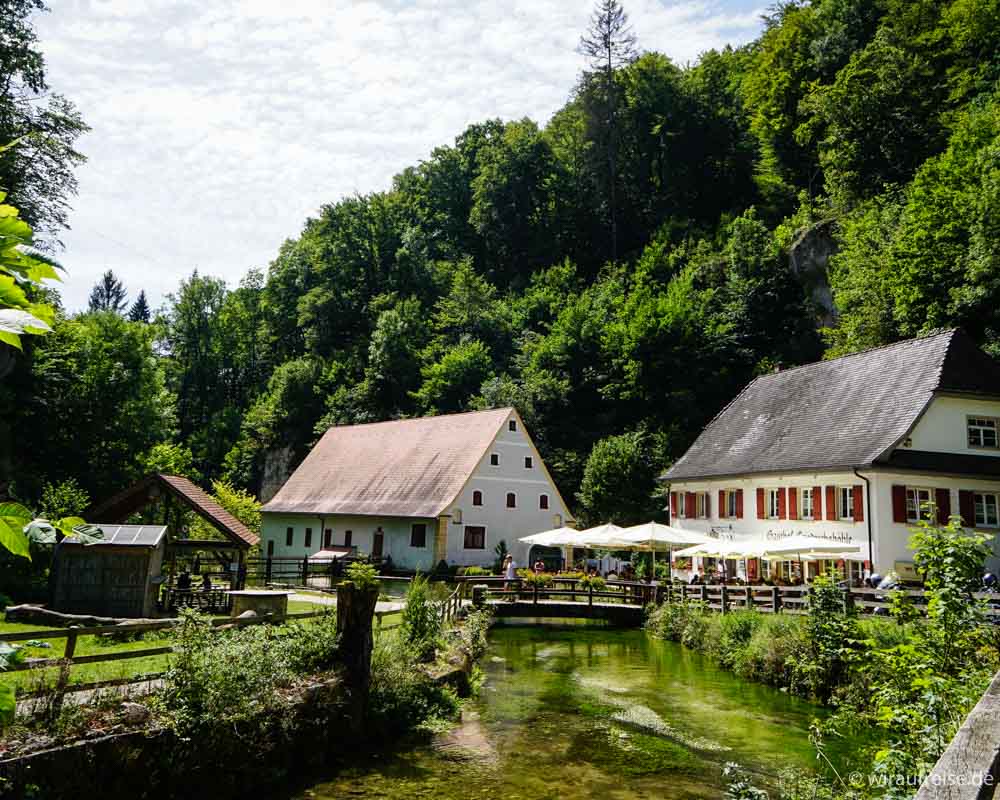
x=21, y=275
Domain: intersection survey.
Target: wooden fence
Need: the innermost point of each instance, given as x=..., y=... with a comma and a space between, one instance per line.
x=72, y=635
x=723, y=598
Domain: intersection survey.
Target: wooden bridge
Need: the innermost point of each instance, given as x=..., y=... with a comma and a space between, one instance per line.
x=619, y=602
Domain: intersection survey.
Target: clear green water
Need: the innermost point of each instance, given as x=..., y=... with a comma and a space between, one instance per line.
x=592, y=712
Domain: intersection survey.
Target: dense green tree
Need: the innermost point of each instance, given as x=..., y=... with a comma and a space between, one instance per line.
x=97, y=392
x=139, y=312
x=37, y=173
x=619, y=481
x=109, y=294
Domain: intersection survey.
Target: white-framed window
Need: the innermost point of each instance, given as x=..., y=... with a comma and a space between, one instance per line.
x=986, y=510
x=511, y=500
x=494, y=459
x=512, y=425
x=528, y=462
x=916, y=503
x=982, y=432
x=702, y=505
x=477, y=498
x=543, y=502
x=806, y=501
x=730, y=503
x=772, y=503
x=456, y=516
x=681, y=505
x=845, y=502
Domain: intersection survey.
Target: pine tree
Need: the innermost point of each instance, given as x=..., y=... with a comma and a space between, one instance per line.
x=109, y=294
x=140, y=308
x=608, y=44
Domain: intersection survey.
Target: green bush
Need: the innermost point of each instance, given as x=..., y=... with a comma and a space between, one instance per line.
x=473, y=571
x=768, y=654
x=732, y=633
x=221, y=678
x=421, y=620
x=595, y=582
x=474, y=630
x=403, y=697
x=363, y=575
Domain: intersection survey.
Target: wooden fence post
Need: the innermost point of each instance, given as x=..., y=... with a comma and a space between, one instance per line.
x=775, y=599
x=536, y=592
x=305, y=571
x=70, y=643
x=848, y=600
x=724, y=597
x=267, y=572
x=704, y=593
x=590, y=595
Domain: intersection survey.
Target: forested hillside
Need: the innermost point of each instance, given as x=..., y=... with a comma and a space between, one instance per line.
x=617, y=274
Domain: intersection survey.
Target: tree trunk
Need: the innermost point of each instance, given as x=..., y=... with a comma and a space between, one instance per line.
x=355, y=611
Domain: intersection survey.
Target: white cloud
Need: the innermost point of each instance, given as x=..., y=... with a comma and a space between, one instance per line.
x=218, y=127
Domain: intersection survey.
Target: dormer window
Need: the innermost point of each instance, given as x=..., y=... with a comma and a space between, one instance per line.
x=982, y=432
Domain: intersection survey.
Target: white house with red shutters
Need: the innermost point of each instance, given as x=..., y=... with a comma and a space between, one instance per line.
x=851, y=450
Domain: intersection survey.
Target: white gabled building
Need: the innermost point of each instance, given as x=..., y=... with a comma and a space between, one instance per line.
x=848, y=450
x=417, y=490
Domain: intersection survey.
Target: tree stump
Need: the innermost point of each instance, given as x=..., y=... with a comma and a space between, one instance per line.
x=355, y=611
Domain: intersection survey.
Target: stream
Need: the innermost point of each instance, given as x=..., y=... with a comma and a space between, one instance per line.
x=586, y=711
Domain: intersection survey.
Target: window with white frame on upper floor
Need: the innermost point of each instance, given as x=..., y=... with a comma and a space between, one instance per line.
x=477, y=498
x=512, y=425
x=917, y=501
x=986, y=510
x=731, y=503
x=543, y=502
x=845, y=502
x=528, y=463
x=494, y=459
x=982, y=432
x=773, y=507
x=806, y=500
x=511, y=500
x=681, y=505
x=702, y=505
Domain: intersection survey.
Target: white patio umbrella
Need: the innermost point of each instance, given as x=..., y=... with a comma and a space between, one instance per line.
x=608, y=536
x=557, y=537
x=796, y=545
x=656, y=536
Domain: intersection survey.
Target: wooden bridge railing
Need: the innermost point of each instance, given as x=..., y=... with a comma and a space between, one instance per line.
x=718, y=597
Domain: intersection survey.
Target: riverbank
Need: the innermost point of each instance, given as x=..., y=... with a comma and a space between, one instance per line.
x=243, y=710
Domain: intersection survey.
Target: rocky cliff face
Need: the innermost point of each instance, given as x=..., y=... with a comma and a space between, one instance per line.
x=808, y=257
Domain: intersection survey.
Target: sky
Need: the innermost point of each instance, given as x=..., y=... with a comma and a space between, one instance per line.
x=218, y=127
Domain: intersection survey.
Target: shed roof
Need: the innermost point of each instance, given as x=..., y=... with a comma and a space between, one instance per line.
x=141, y=494
x=846, y=412
x=125, y=535
x=403, y=468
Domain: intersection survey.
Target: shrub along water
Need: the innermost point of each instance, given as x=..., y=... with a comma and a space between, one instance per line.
x=901, y=686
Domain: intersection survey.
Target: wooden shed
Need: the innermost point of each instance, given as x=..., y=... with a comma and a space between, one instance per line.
x=117, y=576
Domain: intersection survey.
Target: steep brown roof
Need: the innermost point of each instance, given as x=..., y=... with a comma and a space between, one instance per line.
x=405, y=468
x=846, y=412
x=141, y=494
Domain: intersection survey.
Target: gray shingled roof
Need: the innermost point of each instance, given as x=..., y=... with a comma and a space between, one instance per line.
x=403, y=468
x=846, y=412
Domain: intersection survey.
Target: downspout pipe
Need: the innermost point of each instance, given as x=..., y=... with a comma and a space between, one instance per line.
x=868, y=517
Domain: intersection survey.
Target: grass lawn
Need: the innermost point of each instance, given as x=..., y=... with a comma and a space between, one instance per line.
x=31, y=680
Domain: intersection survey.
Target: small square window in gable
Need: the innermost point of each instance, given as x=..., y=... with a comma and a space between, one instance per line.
x=512, y=425
x=494, y=459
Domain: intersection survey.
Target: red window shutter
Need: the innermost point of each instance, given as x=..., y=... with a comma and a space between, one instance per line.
x=859, y=503
x=898, y=503
x=793, y=503
x=691, y=507
x=817, y=502
x=760, y=503
x=782, y=504
x=942, y=497
x=967, y=507
x=723, y=508
x=831, y=502
x=739, y=504
x=673, y=505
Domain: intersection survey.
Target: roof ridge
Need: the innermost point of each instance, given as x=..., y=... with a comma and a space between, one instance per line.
x=930, y=335
x=506, y=409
